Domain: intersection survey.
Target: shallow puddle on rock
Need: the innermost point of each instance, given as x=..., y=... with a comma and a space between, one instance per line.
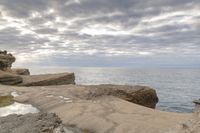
x=17, y=108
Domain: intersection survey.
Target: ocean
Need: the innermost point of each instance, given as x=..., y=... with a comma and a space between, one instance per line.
x=176, y=88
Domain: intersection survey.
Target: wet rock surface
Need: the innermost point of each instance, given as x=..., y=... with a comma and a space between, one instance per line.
x=34, y=123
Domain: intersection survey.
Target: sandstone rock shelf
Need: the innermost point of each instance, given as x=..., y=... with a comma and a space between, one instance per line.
x=48, y=79
x=102, y=114
x=7, y=78
x=22, y=77
x=91, y=108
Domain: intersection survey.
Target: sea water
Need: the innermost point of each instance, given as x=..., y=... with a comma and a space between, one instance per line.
x=176, y=88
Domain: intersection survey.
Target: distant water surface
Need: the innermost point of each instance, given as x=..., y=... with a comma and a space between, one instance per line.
x=176, y=88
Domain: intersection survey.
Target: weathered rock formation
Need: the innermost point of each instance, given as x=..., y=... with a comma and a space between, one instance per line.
x=48, y=79
x=6, y=60
x=141, y=95
x=34, y=123
x=82, y=107
x=7, y=78
x=21, y=71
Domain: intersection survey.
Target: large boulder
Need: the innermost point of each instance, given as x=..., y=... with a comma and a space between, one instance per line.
x=141, y=95
x=6, y=60
x=48, y=79
x=7, y=78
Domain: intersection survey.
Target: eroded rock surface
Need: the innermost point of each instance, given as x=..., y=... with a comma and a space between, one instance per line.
x=34, y=123
x=7, y=78
x=22, y=77
x=6, y=60
x=21, y=71
x=102, y=114
x=48, y=79
x=141, y=95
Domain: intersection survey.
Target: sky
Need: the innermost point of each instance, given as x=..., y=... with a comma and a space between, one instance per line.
x=102, y=33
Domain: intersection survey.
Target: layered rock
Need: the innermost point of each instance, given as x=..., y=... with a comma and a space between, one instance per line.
x=48, y=79
x=20, y=76
x=21, y=71
x=6, y=60
x=141, y=95
x=7, y=78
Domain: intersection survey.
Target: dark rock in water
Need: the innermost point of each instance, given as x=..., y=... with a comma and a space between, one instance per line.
x=33, y=123
x=141, y=95
x=7, y=78
x=6, y=61
x=48, y=79
x=21, y=71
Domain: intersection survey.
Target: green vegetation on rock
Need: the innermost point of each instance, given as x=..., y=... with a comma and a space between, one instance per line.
x=6, y=100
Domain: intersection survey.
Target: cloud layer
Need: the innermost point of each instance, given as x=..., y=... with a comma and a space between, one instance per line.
x=92, y=30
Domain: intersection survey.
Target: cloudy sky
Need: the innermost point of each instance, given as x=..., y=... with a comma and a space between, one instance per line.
x=102, y=32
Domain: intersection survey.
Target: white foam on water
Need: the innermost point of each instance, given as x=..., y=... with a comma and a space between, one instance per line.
x=17, y=108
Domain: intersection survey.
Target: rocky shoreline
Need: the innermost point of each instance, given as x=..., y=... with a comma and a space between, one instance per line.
x=35, y=123
x=69, y=108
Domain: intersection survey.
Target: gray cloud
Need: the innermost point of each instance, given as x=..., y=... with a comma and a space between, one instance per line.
x=100, y=29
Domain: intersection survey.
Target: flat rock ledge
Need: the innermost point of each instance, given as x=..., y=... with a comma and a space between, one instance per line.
x=21, y=78
x=34, y=123
x=90, y=109
x=48, y=79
